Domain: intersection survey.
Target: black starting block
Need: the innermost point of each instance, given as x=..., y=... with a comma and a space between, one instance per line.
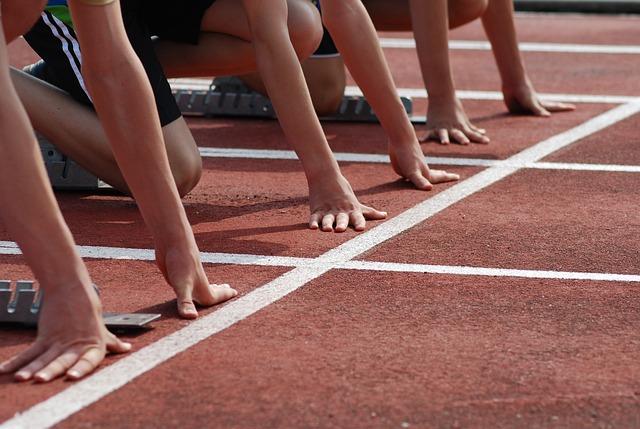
x=64, y=173
x=230, y=97
x=22, y=306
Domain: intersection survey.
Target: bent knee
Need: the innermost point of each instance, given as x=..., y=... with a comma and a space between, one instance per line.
x=187, y=171
x=305, y=27
x=464, y=11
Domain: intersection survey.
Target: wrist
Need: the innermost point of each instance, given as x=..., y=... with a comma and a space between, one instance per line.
x=515, y=82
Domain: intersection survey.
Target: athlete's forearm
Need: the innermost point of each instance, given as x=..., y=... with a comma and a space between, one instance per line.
x=356, y=39
x=115, y=79
x=29, y=209
x=431, y=30
x=498, y=22
x=282, y=74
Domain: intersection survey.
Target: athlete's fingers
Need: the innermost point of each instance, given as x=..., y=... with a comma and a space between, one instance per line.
x=419, y=181
x=459, y=137
x=538, y=110
x=477, y=137
x=22, y=359
x=222, y=293
x=116, y=345
x=476, y=129
x=443, y=136
x=358, y=221
x=327, y=222
x=558, y=107
x=370, y=213
x=441, y=176
x=59, y=365
x=28, y=372
x=314, y=221
x=342, y=222
x=186, y=306
x=86, y=363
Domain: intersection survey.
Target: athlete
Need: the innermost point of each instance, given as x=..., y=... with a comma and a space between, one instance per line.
x=72, y=340
x=351, y=28
x=221, y=41
x=431, y=20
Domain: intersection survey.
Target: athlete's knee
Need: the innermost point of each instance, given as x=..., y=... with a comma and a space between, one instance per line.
x=187, y=171
x=464, y=11
x=305, y=27
x=184, y=156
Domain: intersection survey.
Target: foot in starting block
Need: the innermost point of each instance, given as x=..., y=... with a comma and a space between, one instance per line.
x=22, y=306
x=229, y=96
x=64, y=173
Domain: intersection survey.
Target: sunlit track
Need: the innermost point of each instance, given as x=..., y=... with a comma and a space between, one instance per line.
x=211, y=152
x=95, y=387
x=190, y=84
x=564, y=48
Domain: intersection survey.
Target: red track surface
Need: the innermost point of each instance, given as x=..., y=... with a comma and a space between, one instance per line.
x=379, y=349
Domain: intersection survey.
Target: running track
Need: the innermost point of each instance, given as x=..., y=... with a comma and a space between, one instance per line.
x=508, y=299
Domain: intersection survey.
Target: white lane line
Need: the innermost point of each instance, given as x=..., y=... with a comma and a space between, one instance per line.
x=497, y=96
x=84, y=393
x=486, y=272
x=131, y=254
x=372, y=158
x=190, y=84
x=477, y=45
x=122, y=253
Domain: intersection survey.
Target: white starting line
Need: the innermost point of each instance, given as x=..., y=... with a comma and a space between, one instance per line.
x=191, y=84
x=372, y=158
x=93, y=388
x=477, y=45
x=129, y=254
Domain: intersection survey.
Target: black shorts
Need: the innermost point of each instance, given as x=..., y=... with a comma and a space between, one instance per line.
x=57, y=45
x=177, y=20
x=327, y=48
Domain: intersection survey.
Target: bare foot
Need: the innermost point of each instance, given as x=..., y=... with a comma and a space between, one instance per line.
x=184, y=272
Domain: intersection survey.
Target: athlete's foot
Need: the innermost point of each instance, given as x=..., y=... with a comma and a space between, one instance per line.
x=184, y=272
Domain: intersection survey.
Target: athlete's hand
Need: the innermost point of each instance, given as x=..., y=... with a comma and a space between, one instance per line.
x=523, y=100
x=334, y=207
x=447, y=122
x=408, y=162
x=72, y=339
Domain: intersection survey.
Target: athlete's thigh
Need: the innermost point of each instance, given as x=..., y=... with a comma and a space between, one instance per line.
x=227, y=17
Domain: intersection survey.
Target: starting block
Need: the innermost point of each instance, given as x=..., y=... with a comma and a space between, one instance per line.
x=22, y=306
x=231, y=98
x=64, y=173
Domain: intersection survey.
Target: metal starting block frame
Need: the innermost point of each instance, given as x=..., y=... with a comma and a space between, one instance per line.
x=64, y=173
x=231, y=98
x=22, y=306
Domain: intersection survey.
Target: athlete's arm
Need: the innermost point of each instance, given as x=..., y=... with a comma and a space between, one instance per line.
x=519, y=94
x=72, y=339
x=331, y=198
x=355, y=37
x=446, y=118
x=114, y=76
